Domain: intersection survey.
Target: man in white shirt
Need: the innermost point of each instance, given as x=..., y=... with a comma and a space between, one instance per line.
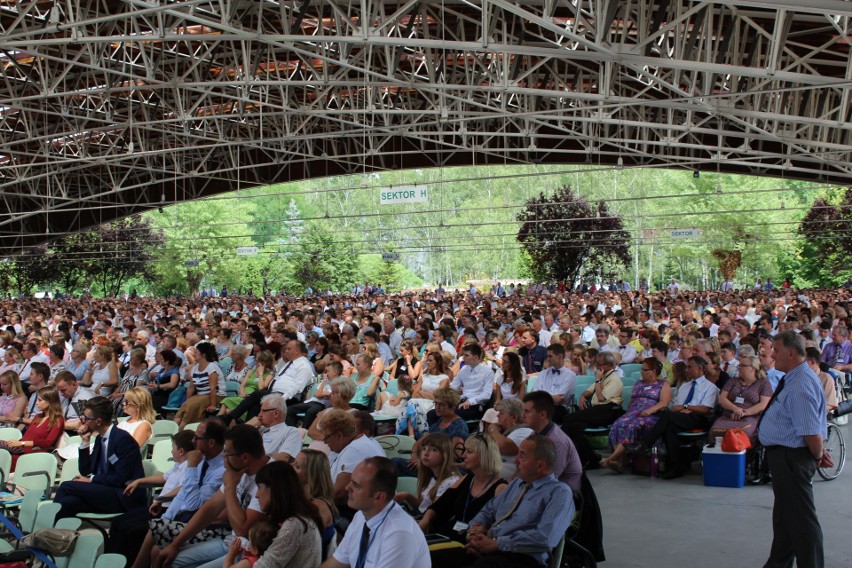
x=382, y=534
x=31, y=354
x=543, y=334
x=289, y=382
x=70, y=392
x=626, y=350
x=475, y=381
x=557, y=380
x=279, y=440
x=348, y=449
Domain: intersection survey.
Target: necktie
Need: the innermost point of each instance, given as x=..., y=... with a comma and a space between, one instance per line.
x=204, y=465
x=102, y=461
x=514, y=506
x=781, y=384
x=690, y=394
x=362, y=548
x=725, y=367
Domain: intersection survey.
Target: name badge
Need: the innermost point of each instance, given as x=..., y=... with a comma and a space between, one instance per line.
x=739, y=400
x=460, y=526
x=112, y=459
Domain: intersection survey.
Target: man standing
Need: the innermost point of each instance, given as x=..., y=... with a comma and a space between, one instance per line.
x=792, y=430
x=382, y=534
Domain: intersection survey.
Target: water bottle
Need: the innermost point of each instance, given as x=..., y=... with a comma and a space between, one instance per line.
x=655, y=461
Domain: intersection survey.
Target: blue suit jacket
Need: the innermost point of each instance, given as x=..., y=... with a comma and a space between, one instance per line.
x=124, y=461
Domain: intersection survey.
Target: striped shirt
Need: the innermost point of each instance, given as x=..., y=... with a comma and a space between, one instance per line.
x=798, y=411
x=201, y=379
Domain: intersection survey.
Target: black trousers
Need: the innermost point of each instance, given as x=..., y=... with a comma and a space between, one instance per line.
x=311, y=409
x=795, y=526
x=452, y=557
x=667, y=429
x=127, y=532
x=575, y=424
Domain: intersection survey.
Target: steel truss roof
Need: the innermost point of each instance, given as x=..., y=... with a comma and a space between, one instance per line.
x=110, y=107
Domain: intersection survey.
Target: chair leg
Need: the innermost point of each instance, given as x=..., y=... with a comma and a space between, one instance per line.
x=571, y=546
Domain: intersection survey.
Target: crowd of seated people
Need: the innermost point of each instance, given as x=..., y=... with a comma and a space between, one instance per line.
x=314, y=369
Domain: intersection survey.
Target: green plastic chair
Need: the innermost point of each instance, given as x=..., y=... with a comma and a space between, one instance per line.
x=149, y=468
x=406, y=485
x=556, y=554
x=396, y=446
x=5, y=466
x=70, y=470
x=36, y=472
x=111, y=561
x=162, y=430
x=46, y=515
x=192, y=426
x=89, y=546
x=232, y=388
x=393, y=387
x=10, y=434
x=162, y=456
x=27, y=511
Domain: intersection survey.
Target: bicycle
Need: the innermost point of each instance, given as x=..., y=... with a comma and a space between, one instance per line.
x=836, y=447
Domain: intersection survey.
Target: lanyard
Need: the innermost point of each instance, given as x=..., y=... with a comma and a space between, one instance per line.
x=470, y=498
x=362, y=560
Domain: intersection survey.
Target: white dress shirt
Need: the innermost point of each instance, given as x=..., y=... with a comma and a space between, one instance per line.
x=395, y=541
x=557, y=382
x=293, y=378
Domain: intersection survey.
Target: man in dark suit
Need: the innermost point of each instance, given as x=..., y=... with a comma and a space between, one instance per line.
x=115, y=461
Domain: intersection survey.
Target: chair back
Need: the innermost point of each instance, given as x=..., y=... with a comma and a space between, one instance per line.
x=5, y=466
x=10, y=434
x=162, y=456
x=396, y=446
x=111, y=560
x=36, y=471
x=406, y=485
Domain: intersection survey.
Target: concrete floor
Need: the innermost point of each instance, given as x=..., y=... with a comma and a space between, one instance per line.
x=652, y=522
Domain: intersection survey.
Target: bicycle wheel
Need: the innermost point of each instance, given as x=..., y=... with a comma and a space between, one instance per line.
x=836, y=447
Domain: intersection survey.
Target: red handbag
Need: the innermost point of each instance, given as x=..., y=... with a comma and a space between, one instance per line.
x=735, y=440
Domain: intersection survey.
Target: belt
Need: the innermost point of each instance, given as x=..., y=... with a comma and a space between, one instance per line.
x=776, y=447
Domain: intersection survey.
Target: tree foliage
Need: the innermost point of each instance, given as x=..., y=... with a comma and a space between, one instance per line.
x=827, y=247
x=566, y=237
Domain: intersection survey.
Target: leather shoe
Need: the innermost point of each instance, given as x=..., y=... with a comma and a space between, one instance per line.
x=673, y=473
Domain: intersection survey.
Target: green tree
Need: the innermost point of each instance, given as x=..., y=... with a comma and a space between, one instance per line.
x=565, y=237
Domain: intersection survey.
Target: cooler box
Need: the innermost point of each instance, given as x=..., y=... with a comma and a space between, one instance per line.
x=723, y=469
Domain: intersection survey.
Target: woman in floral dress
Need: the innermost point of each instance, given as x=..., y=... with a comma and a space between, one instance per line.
x=650, y=395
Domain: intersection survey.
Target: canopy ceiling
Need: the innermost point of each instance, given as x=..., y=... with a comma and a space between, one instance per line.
x=111, y=107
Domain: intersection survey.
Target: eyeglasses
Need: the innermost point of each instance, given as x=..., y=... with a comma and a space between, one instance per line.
x=262, y=410
x=128, y=403
x=85, y=418
x=196, y=438
x=327, y=436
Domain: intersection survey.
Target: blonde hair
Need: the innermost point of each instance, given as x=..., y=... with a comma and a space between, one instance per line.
x=336, y=420
x=485, y=446
x=142, y=399
x=318, y=477
x=17, y=389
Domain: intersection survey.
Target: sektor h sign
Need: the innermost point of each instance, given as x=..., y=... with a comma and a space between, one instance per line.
x=404, y=194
